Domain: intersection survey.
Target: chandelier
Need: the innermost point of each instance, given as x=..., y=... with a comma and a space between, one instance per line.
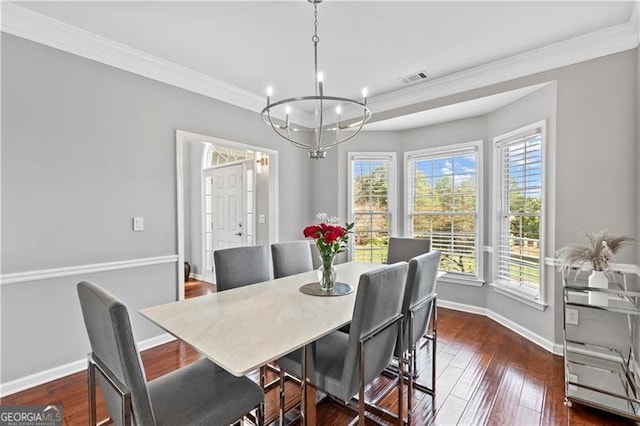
x=321, y=122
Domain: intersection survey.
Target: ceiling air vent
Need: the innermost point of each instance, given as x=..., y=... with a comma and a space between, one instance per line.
x=416, y=76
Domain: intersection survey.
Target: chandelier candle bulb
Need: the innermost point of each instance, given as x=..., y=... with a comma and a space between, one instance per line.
x=365, y=92
x=269, y=93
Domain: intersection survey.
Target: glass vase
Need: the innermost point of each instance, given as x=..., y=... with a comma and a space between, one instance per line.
x=327, y=274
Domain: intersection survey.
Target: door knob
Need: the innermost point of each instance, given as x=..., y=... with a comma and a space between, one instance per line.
x=238, y=234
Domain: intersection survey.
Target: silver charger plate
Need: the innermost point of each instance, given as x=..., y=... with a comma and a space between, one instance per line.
x=313, y=289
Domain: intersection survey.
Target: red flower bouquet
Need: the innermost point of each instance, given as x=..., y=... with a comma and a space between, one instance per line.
x=330, y=239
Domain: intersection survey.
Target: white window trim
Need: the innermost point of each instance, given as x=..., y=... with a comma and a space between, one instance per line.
x=517, y=292
x=391, y=189
x=478, y=280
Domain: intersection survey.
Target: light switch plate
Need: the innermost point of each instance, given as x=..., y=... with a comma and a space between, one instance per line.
x=262, y=219
x=138, y=223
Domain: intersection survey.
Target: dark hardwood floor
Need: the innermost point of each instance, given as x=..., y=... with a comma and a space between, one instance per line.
x=486, y=375
x=195, y=288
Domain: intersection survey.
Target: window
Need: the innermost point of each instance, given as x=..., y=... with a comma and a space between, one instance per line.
x=371, y=178
x=443, y=204
x=520, y=186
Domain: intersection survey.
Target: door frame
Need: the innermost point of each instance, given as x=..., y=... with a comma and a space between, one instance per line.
x=183, y=137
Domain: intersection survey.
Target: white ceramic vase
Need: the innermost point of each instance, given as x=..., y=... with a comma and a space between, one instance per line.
x=598, y=279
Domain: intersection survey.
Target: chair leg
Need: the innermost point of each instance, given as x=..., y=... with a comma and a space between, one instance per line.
x=282, y=401
x=361, y=404
x=92, y=394
x=412, y=372
x=400, y=380
x=434, y=331
x=260, y=414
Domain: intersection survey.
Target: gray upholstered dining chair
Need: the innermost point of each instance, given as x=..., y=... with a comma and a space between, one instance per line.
x=240, y=266
x=290, y=258
x=419, y=309
x=315, y=255
x=403, y=249
x=342, y=364
x=201, y=393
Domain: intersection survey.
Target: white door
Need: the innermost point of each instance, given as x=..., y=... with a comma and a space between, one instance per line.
x=223, y=213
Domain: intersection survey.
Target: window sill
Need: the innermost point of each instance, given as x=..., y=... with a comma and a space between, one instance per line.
x=521, y=296
x=454, y=279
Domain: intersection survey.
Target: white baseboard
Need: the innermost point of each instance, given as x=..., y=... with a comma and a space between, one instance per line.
x=516, y=328
x=42, y=377
x=462, y=307
x=197, y=277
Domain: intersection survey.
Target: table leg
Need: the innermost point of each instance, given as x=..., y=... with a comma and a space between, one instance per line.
x=308, y=405
x=311, y=405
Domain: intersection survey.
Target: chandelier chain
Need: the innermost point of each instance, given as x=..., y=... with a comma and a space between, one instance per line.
x=315, y=37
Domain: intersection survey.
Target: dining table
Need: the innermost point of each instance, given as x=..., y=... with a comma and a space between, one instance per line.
x=245, y=328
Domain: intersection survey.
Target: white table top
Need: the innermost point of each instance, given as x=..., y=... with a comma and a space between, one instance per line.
x=247, y=327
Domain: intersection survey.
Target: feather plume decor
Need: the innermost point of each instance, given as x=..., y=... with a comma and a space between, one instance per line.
x=597, y=254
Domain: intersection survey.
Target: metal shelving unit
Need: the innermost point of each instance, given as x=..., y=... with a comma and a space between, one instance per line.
x=600, y=361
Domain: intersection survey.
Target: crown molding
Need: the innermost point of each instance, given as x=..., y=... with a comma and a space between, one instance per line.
x=42, y=29
x=634, y=19
x=579, y=49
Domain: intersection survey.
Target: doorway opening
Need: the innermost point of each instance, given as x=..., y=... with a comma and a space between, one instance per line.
x=227, y=197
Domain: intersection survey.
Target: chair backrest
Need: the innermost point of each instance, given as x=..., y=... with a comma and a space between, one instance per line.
x=291, y=258
x=379, y=299
x=113, y=344
x=421, y=284
x=405, y=249
x=240, y=266
x=315, y=255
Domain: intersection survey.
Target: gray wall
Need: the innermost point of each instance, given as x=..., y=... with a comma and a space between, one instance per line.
x=85, y=148
x=638, y=155
x=596, y=182
x=539, y=105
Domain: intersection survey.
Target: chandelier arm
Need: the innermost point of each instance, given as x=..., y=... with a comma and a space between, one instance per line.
x=352, y=135
x=294, y=142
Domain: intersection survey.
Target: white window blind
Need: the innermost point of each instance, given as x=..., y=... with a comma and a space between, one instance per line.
x=442, y=205
x=519, y=257
x=371, y=206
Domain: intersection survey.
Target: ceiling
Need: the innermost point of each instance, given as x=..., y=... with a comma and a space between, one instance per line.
x=251, y=45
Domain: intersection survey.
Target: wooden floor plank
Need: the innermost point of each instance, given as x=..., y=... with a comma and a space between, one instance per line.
x=480, y=404
x=445, y=382
x=505, y=405
x=532, y=396
x=451, y=410
x=526, y=417
x=473, y=374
